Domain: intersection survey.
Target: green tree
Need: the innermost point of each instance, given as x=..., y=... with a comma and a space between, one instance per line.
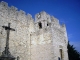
x=73, y=53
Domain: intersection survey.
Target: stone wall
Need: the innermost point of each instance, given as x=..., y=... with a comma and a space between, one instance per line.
x=28, y=41
x=57, y=35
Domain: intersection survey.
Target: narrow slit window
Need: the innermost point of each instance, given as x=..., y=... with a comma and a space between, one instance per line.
x=40, y=25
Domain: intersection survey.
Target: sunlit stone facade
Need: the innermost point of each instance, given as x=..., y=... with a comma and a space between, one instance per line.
x=42, y=38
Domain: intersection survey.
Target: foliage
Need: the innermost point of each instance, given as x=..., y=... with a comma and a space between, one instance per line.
x=72, y=53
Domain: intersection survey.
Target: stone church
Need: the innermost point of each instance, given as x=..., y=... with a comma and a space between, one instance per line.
x=42, y=38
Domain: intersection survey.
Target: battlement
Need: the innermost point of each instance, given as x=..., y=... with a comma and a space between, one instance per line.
x=46, y=21
x=2, y=3
x=42, y=16
x=54, y=20
x=5, y=5
x=13, y=13
x=29, y=17
x=13, y=8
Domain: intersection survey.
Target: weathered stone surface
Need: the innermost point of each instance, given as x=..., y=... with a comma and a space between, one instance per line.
x=33, y=40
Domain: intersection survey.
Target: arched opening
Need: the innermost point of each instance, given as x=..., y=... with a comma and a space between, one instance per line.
x=40, y=25
x=47, y=24
x=61, y=54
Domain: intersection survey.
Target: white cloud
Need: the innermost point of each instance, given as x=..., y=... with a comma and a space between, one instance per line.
x=70, y=36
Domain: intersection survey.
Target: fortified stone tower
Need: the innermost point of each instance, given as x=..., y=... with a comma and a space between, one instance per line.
x=52, y=37
x=42, y=39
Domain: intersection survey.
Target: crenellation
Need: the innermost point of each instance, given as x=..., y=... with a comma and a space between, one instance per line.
x=3, y=7
x=29, y=17
x=21, y=12
x=36, y=17
x=42, y=16
x=55, y=22
x=3, y=11
x=63, y=27
x=4, y=4
x=14, y=9
x=21, y=16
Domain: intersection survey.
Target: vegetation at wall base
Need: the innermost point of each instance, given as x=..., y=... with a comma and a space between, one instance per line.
x=73, y=53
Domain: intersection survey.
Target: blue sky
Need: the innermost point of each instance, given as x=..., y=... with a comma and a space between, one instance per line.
x=67, y=11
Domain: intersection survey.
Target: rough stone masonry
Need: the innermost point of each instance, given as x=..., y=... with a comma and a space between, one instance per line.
x=42, y=38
